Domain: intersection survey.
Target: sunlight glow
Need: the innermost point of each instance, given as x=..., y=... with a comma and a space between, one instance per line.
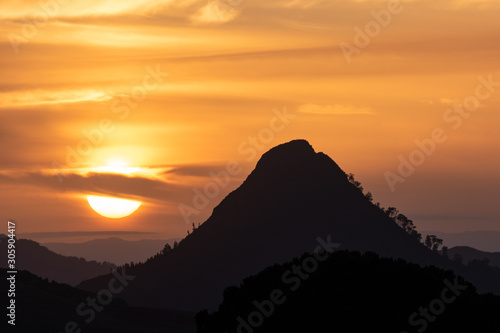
x=118, y=166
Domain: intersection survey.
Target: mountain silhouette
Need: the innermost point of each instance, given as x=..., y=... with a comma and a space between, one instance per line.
x=39, y=260
x=468, y=254
x=293, y=196
x=43, y=306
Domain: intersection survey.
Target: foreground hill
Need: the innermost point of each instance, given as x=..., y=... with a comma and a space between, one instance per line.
x=43, y=306
x=113, y=249
x=363, y=293
x=39, y=260
x=293, y=196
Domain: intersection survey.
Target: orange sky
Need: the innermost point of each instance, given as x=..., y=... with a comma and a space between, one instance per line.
x=176, y=88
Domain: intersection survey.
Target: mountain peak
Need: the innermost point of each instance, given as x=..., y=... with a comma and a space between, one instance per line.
x=294, y=146
x=288, y=152
x=295, y=161
x=285, y=158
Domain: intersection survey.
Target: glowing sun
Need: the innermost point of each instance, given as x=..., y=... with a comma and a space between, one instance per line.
x=111, y=207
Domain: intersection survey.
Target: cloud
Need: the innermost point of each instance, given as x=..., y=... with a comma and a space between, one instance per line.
x=34, y=98
x=466, y=4
x=195, y=170
x=449, y=101
x=201, y=11
x=147, y=185
x=216, y=11
x=30, y=8
x=336, y=109
x=110, y=184
x=55, y=234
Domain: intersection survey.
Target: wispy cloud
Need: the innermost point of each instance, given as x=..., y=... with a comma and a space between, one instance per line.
x=34, y=98
x=195, y=170
x=215, y=11
x=101, y=183
x=454, y=101
x=449, y=101
x=336, y=109
x=162, y=183
x=54, y=234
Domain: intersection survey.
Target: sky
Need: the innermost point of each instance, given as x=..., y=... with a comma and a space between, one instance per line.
x=171, y=103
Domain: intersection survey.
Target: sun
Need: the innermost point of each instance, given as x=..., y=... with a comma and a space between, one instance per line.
x=111, y=207
x=117, y=166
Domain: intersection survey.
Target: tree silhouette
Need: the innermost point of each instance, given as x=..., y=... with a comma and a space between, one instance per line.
x=405, y=223
x=354, y=182
x=433, y=242
x=445, y=251
x=166, y=248
x=392, y=212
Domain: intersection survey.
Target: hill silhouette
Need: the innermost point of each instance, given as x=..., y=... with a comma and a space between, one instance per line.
x=43, y=306
x=293, y=196
x=39, y=260
x=113, y=249
x=355, y=293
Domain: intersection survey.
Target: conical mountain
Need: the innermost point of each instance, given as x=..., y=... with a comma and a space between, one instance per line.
x=293, y=197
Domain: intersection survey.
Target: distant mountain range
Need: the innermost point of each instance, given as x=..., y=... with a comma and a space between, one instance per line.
x=488, y=241
x=113, y=249
x=41, y=261
x=294, y=198
x=468, y=253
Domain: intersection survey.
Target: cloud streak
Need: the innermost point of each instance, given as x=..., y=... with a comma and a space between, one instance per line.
x=119, y=185
x=37, y=98
x=334, y=110
x=65, y=234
